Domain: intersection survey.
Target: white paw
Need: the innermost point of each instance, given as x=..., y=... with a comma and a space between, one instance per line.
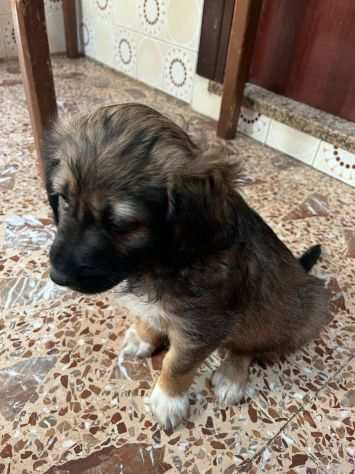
x=169, y=411
x=227, y=392
x=133, y=346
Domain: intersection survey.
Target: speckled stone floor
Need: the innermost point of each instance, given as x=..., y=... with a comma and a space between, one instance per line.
x=65, y=407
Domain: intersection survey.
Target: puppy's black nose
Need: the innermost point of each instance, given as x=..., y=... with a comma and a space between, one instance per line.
x=60, y=278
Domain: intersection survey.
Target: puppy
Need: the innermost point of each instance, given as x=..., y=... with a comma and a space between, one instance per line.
x=135, y=200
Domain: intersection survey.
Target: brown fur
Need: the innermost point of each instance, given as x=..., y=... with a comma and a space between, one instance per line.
x=150, y=335
x=219, y=272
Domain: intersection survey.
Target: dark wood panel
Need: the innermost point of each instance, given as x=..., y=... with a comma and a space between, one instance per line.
x=304, y=50
x=226, y=24
x=32, y=41
x=210, y=38
x=275, y=43
x=242, y=39
x=70, y=28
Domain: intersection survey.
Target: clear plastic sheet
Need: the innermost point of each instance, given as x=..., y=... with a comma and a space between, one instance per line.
x=7, y=179
x=19, y=383
x=28, y=232
x=22, y=291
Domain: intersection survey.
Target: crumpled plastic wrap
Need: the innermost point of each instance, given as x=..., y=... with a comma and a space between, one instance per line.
x=22, y=291
x=28, y=232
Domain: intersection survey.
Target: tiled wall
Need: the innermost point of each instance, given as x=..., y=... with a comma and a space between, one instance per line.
x=313, y=151
x=55, y=28
x=155, y=41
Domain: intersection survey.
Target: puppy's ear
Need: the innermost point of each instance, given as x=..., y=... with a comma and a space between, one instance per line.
x=50, y=147
x=202, y=205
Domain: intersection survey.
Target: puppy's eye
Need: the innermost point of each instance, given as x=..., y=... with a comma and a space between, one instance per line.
x=123, y=228
x=63, y=201
x=130, y=227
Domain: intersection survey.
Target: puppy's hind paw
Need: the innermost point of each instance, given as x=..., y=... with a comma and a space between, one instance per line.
x=134, y=346
x=228, y=392
x=169, y=411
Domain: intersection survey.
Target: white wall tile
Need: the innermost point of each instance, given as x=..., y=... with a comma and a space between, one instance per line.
x=125, y=51
x=183, y=24
x=292, y=142
x=336, y=162
x=104, y=40
x=202, y=100
x=254, y=124
x=150, y=61
x=179, y=70
x=125, y=13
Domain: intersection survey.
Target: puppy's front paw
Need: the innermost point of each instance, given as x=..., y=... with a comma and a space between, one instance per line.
x=134, y=346
x=228, y=392
x=169, y=411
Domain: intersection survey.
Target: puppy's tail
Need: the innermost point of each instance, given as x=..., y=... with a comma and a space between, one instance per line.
x=310, y=257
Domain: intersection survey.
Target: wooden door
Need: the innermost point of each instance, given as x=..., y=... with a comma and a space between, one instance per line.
x=305, y=49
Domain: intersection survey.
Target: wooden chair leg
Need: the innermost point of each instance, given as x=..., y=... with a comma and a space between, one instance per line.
x=70, y=28
x=241, y=44
x=36, y=68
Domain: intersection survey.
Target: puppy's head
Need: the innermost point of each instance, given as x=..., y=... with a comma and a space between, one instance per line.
x=130, y=192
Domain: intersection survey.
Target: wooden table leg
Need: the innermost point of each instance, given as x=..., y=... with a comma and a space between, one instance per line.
x=241, y=44
x=36, y=68
x=70, y=28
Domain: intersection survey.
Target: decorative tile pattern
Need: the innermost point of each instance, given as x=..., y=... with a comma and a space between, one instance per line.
x=125, y=51
x=103, y=8
x=179, y=67
x=65, y=405
x=152, y=16
x=336, y=162
x=87, y=38
x=254, y=124
x=155, y=41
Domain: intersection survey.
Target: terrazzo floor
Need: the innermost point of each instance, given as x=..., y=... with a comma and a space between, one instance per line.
x=65, y=407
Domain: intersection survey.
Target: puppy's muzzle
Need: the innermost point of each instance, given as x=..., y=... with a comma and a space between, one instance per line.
x=60, y=278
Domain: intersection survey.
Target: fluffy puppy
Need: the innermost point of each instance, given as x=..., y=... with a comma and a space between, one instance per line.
x=135, y=200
